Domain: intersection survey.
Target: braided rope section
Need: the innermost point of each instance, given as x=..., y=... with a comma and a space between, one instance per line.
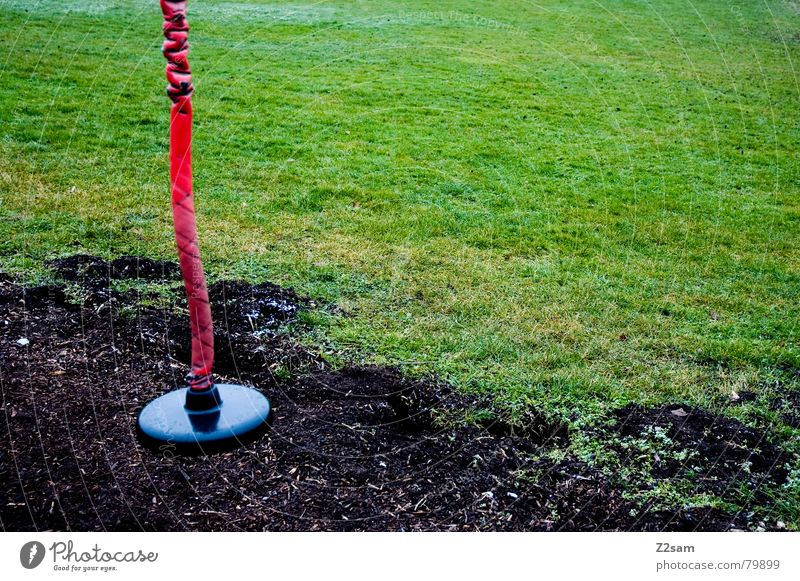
x=179, y=90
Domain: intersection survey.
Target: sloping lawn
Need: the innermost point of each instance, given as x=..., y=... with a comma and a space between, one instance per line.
x=572, y=206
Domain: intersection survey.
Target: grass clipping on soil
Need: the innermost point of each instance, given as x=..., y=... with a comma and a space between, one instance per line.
x=358, y=448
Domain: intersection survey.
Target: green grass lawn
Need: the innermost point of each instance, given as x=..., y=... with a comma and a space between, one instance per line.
x=571, y=205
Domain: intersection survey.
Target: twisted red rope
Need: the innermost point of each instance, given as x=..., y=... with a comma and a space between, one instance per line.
x=179, y=90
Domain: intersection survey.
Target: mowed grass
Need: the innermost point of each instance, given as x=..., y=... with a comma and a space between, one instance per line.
x=570, y=205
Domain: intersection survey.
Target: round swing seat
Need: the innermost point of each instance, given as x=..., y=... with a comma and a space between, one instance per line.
x=186, y=421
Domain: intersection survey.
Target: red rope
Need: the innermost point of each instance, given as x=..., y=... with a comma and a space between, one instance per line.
x=179, y=90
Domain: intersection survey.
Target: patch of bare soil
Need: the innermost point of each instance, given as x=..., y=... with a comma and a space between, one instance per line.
x=719, y=455
x=360, y=448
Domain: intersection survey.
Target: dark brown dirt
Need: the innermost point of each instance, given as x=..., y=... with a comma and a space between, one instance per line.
x=719, y=454
x=351, y=449
x=96, y=271
x=787, y=404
